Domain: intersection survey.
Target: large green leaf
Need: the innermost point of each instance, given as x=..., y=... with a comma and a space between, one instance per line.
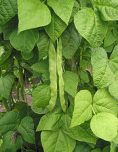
x=9, y=121
x=102, y=74
x=104, y=125
x=12, y=142
x=55, y=28
x=6, y=83
x=82, y=108
x=41, y=97
x=80, y=133
x=71, y=82
x=54, y=141
x=90, y=26
x=62, y=8
x=8, y=9
x=103, y=102
x=25, y=41
x=26, y=129
x=107, y=8
x=32, y=15
x=70, y=41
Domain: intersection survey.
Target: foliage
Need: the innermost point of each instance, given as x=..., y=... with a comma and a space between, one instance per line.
x=59, y=75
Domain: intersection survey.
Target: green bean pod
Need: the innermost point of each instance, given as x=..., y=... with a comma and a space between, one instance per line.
x=60, y=75
x=53, y=76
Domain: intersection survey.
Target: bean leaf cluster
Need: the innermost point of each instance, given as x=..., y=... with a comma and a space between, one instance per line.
x=59, y=75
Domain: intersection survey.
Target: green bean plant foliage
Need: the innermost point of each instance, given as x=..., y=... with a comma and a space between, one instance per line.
x=58, y=75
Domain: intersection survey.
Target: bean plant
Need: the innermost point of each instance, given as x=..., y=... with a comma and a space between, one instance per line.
x=58, y=75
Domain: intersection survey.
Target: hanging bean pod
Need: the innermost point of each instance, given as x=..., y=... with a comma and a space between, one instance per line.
x=53, y=76
x=60, y=75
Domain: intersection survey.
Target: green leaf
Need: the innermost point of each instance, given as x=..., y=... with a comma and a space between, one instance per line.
x=49, y=121
x=6, y=83
x=109, y=39
x=102, y=74
x=82, y=147
x=12, y=142
x=70, y=42
x=8, y=9
x=9, y=121
x=54, y=141
x=41, y=97
x=85, y=60
x=5, y=53
x=41, y=67
x=113, y=89
x=79, y=133
x=96, y=150
x=25, y=41
x=90, y=26
x=43, y=45
x=113, y=61
x=26, y=129
x=63, y=9
x=113, y=147
x=103, y=102
x=55, y=28
x=82, y=108
x=107, y=8
x=32, y=15
x=104, y=125
x=71, y=82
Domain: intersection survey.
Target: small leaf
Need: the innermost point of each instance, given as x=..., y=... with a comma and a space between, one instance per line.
x=26, y=129
x=41, y=67
x=55, y=28
x=71, y=82
x=41, y=97
x=70, y=41
x=49, y=121
x=43, y=44
x=113, y=61
x=32, y=15
x=62, y=8
x=104, y=125
x=82, y=108
x=6, y=85
x=82, y=147
x=9, y=121
x=8, y=9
